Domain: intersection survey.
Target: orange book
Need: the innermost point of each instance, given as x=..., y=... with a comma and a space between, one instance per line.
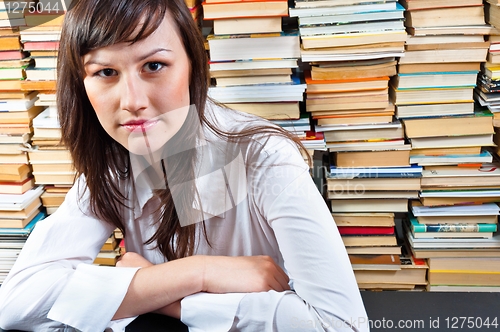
x=10, y=43
x=37, y=85
x=237, y=9
x=309, y=80
x=346, y=85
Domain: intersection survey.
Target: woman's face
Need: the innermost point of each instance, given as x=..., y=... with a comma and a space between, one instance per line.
x=140, y=91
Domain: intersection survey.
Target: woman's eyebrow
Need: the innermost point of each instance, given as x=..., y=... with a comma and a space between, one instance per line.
x=140, y=58
x=154, y=51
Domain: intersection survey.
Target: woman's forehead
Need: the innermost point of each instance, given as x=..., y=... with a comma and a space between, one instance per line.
x=165, y=35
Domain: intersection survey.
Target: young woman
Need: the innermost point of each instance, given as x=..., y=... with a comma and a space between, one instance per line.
x=223, y=224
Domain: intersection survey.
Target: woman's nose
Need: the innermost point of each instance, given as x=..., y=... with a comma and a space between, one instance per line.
x=134, y=95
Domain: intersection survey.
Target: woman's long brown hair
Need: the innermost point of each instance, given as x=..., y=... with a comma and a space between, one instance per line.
x=92, y=24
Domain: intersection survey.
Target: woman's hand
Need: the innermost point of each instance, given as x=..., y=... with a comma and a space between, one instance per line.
x=243, y=274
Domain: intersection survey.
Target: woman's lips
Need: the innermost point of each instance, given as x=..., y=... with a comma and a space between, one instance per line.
x=139, y=125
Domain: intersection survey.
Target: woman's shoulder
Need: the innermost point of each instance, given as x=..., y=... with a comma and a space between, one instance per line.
x=260, y=138
x=231, y=120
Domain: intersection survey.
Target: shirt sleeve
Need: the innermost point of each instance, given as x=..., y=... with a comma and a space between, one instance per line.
x=324, y=296
x=53, y=284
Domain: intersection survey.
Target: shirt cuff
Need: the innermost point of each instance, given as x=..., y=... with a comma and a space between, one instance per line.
x=207, y=312
x=119, y=325
x=92, y=296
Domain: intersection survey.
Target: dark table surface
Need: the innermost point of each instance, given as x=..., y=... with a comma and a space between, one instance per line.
x=421, y=310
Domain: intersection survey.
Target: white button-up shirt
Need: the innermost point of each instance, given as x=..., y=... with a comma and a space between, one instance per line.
x=54, y=286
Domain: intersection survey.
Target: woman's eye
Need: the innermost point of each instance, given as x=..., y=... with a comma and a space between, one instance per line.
x=106, y=72
x=153, y=66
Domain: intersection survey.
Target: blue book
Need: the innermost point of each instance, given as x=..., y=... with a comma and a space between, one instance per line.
x=23, y=231
x=417, y=227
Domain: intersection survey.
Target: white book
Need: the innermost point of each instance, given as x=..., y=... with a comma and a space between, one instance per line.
x=17, y=105
x=487, y=209
x=493, y=242
x=254, y=64
x=40, y=36
x=424, y=160
x=47, y=119
x=363, y=146
x=13, y=202
x=258, y=93
x=461, y=193
x=46, y=62
x=359, y=127
x=451, y=141
x=353, y=17
x=352, y=27
x=485, y=170
x=306, y=57
x=322, y=11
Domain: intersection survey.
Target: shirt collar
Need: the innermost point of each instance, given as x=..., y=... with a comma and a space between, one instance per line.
x=220, y=181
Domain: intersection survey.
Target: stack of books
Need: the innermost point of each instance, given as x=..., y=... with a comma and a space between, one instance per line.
x=464, y=274
x=13, y=61
x=451, y=140
x=110, y=251
x=252, y=59
x=17, y=109
x=352, y=48
x=334, y=107
x=456, y=219
x=438, y=73
x=51, y=162
x=364, y=202
x=344, y=102
x=372, y=189
x=487, y=92
x=452, y=231
x=409, y=273
x=492, y=16
x=41, y=37
x=349, y=29
x=16, y=113
x=18, y=215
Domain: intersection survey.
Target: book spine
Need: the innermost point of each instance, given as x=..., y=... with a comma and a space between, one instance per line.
x=470, y=228
x=341, y=175
x=355, y=230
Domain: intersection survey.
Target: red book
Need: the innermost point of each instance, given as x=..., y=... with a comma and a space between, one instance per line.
x=361, y=230
x=13, y=55
x=311, y=135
